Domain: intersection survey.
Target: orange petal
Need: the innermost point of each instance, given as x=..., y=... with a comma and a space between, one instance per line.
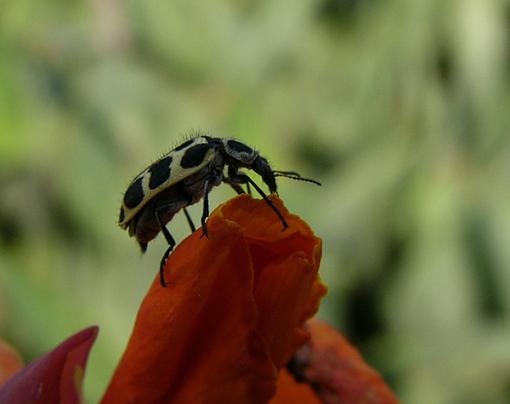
x=290, y=391
x=10, y=361
x=337, y=370
x=287, y=290
x=231, y=315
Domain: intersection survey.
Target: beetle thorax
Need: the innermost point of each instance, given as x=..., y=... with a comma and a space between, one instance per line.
x=238, y=153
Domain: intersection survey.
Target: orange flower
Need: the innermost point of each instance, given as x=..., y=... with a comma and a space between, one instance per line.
x=335, y=369
x=232, y=314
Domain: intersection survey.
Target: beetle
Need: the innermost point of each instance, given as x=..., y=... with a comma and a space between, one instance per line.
x=185, y=176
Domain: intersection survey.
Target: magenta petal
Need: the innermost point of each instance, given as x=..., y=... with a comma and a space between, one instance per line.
x=55, y=377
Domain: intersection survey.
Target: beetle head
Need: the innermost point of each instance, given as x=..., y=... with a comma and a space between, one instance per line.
x=262, y=168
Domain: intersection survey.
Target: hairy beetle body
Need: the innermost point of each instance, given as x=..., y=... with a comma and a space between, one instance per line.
x=181, y=163
x=185, y=176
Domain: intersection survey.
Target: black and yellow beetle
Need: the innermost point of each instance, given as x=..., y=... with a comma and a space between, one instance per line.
x=183, y=177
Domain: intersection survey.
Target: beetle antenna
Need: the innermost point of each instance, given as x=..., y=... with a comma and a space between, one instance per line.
x=294, y=176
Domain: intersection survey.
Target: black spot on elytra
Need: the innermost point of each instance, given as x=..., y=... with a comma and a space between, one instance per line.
x=194, y=155
x=160, y=172
x=122, y=215
x=134, y=194
x=184, y=145
x=239, y=147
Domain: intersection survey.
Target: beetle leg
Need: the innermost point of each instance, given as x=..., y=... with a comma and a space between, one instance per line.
x=238, y=188
x=245, y=179
x=170, y=240
x=205, y=211
x=214, y=179
x=162, y=264
x=231, y=180
x=190, y=221
x=171, y=244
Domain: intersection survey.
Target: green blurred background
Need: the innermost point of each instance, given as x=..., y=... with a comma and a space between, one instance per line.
x=401, y=108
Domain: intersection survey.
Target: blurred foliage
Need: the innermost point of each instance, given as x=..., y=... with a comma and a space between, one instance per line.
x=400, y=107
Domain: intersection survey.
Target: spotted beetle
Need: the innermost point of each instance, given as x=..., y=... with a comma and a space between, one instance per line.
x=183, y=177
